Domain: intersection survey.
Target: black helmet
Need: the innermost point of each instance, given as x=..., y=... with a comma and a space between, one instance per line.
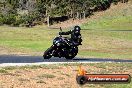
x=77, y=28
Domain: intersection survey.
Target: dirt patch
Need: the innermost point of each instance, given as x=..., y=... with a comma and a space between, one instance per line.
x=40, y=78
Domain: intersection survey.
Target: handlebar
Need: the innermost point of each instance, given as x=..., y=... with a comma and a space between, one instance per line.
x=60, y=29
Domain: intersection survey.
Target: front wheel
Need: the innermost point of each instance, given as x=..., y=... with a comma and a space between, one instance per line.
x=72, y=53
x=48, y=53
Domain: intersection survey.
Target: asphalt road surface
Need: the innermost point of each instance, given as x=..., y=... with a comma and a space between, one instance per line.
x=12, y=60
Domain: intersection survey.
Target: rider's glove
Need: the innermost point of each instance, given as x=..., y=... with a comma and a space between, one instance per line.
x=60, y=33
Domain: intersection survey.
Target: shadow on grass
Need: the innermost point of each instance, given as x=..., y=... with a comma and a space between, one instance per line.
x=38, y=59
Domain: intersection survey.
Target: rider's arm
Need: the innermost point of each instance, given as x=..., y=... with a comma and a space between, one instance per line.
x=65, y=33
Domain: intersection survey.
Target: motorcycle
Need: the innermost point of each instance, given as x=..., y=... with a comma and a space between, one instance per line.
x=62, y=47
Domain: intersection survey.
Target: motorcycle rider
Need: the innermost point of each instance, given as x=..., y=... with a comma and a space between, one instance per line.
x=75, y=35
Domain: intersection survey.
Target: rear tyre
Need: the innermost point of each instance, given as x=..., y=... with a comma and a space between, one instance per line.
x=48, y=53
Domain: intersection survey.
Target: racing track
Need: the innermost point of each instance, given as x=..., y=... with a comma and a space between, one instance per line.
x=12, y=60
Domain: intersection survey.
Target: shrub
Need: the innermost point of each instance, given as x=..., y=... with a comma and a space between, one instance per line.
x=115, y=2
x=19, y=20
x=9, y=19
x=26, y=19
x=1, y=19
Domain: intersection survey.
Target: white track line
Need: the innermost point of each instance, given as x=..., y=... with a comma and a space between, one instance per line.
x=41, y=63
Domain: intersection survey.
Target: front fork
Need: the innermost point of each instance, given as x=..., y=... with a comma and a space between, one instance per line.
x=56, y=52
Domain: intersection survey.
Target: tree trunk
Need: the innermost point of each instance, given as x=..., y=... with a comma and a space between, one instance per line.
x=84, y=14
x=123, y=1
x=80, y=16
x=48, y=20
x=71, y=14
x=77, y=15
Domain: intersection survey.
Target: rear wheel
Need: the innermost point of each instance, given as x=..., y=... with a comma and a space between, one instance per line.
x=72, y=53
x=48, y=53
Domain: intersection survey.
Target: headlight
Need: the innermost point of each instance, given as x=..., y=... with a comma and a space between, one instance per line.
x=55, y=42
x=58, y=44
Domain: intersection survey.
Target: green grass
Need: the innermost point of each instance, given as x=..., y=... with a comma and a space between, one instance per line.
x=106, y=44
x=31, y=39
x=111, y=23
x=3, y=71
x=100, y=44
x=31, y=67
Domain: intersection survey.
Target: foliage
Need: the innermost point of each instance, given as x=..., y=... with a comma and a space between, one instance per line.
x=1, y=19
x=8, y=19
x=41, y=9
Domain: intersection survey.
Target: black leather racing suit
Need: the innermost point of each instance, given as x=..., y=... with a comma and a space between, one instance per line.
x=75, y=35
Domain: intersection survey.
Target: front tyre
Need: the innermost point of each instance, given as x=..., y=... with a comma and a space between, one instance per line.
x=72, y=53
x=48, y=53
